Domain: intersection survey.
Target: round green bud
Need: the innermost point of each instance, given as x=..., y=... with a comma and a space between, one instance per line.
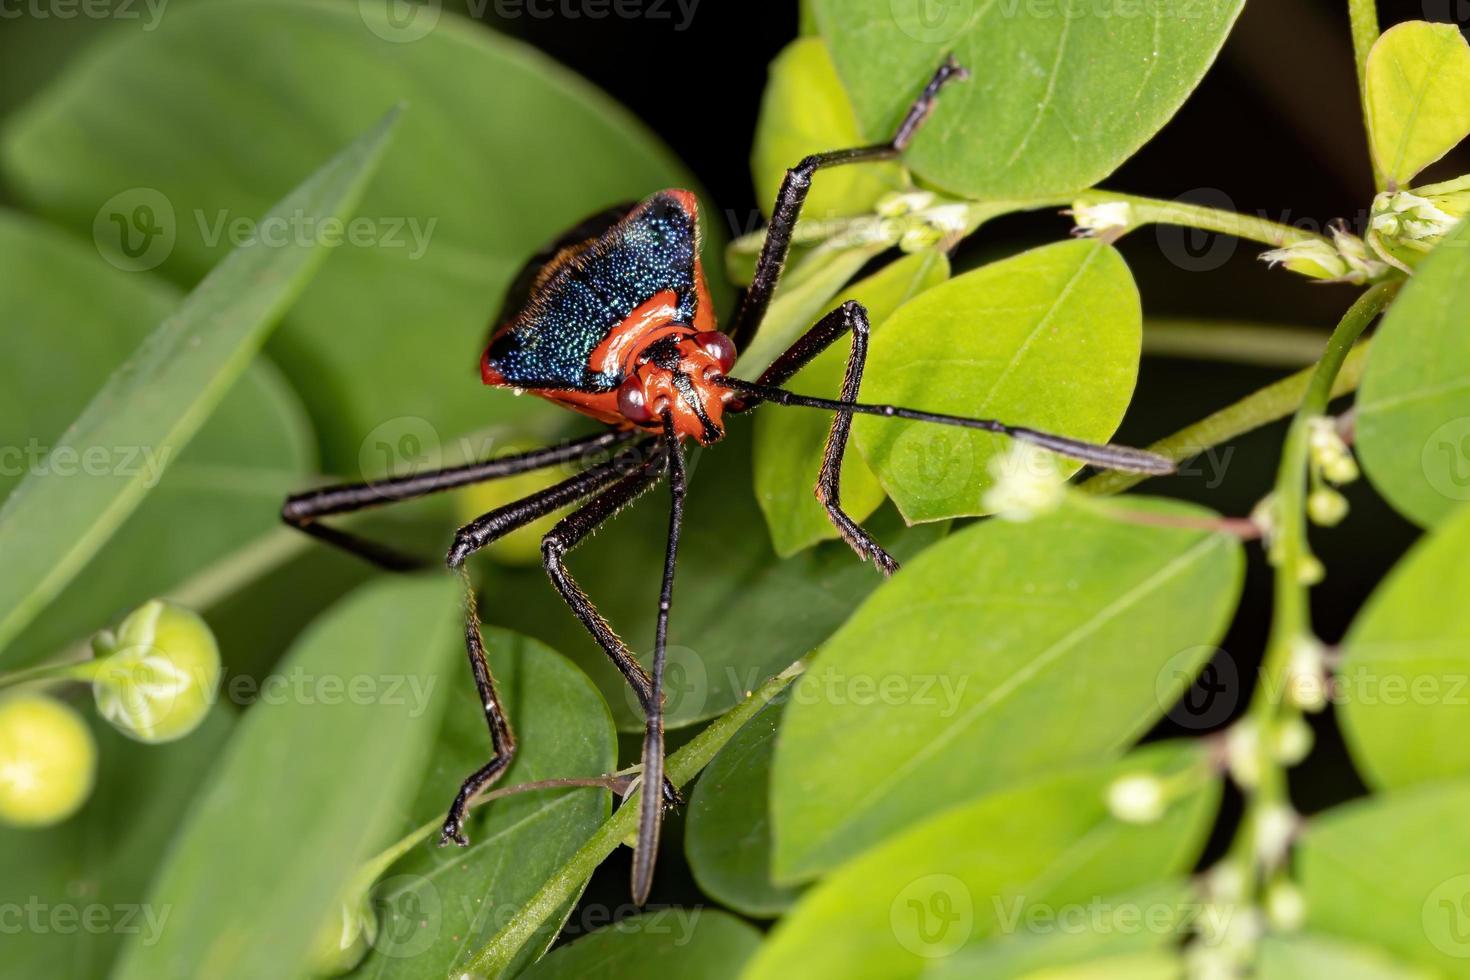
x=48, y=760
x=157, y=675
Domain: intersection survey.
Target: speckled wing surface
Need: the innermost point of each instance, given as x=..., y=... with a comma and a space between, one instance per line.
x=588, y=289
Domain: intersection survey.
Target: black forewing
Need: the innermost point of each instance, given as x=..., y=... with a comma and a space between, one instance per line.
x=567, y=303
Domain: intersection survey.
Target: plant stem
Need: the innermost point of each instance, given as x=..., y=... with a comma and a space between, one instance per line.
x=1261, y=407
x=1363, y=15
x=1268, y=345
x=1150, y=211
x=83, y=671
x=1290, y=552
x=560, y=888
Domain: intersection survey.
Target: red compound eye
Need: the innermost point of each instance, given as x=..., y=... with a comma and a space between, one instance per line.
x=632, y=402
x=718, y=346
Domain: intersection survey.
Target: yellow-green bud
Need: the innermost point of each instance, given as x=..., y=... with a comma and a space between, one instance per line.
x=1100, y=218
x=345, y=940
x=1326, y=507
x=1311, y=258
x=156, y=676
x=48, y=760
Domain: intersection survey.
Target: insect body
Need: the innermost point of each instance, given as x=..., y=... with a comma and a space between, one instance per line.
x=614, y=321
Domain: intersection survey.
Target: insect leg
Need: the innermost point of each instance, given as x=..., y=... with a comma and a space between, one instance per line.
x=571, y=531
x=651, y=808
x=502, y=738
x=303, y=510
x=793, y=194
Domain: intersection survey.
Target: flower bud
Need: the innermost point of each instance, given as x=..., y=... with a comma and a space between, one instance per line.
x=1242, y=754
x=1326, y=507
x=1306, y=674
x=156, y=676
x=1285, y=907
x=1312, y=258
x=1138, y=798
x=1097, y=219
x=899, y=203
x=48, y=760
x=1027, y=484
x=346, y=938
x=1293, y=741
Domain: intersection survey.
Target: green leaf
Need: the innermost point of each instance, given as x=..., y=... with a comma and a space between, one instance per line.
x=437, y=905
x=740, y=614
x=1394, y=872
x=99, y=863
x=1104, y=929
x=1055, y=102
x=670, y=942
x=980, y=870
x=1025, y=647
x=1291, y=957
x=1417, y=96
x=66, y=307
x=804, y=110
x=728, y=835
x=50, y=526
x=222, y=118
x=1049, y=339
x=1413, y=410
x=307, y=786
x=789, y=443
x=1404, y=698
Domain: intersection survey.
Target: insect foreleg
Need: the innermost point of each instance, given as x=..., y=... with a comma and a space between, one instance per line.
x=792, y=196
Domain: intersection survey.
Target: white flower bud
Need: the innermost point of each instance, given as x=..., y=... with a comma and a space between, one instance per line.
x=1275, y=827
x=1312, y=258
x=1094, y=219
x=1285, y=907
x=1027, y=484
x=1306, y=674
x=1293, y=741
x=1137, y=799
x=1242, y=754
x=900, y=203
